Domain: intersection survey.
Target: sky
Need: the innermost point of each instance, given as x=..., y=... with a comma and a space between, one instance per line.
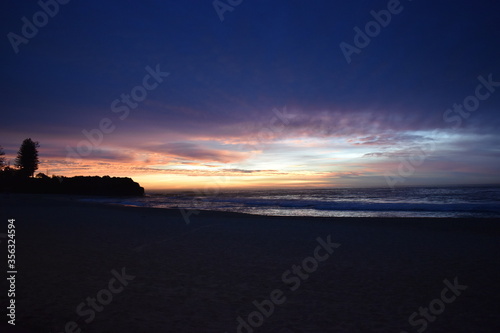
x=200, y=94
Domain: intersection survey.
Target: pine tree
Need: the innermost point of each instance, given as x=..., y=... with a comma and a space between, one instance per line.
x=27, y=157
x=2, y=158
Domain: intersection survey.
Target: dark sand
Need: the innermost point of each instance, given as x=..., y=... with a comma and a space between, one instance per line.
x=201, y=277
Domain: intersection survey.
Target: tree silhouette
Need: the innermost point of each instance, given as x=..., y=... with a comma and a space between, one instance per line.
x=27, y=157
x=2, y=158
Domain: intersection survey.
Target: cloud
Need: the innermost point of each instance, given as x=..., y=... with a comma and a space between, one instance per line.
x=388, y=139
x=193, y=151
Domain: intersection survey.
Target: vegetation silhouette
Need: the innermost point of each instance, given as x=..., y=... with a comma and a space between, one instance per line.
x=27, y=157
x=21, y=180
x=2, y=158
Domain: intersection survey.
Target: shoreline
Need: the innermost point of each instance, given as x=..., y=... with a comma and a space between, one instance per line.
x=77, y=200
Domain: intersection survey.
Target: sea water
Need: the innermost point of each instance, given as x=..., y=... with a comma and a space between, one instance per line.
x=469, y=201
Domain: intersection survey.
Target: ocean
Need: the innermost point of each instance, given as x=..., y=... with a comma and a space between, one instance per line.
x=470, y=201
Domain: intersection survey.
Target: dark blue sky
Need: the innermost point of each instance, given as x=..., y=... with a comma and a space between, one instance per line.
x=227, y=76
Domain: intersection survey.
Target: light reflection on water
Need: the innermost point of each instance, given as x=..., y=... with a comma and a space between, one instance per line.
x=371, y=202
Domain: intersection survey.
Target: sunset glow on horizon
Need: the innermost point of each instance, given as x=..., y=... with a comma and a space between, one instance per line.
x=297, y=162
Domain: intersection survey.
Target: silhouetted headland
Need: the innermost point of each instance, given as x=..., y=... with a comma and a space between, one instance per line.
x=90, y=185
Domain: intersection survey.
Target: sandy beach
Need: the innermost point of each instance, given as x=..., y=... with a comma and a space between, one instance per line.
x=97, y=268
